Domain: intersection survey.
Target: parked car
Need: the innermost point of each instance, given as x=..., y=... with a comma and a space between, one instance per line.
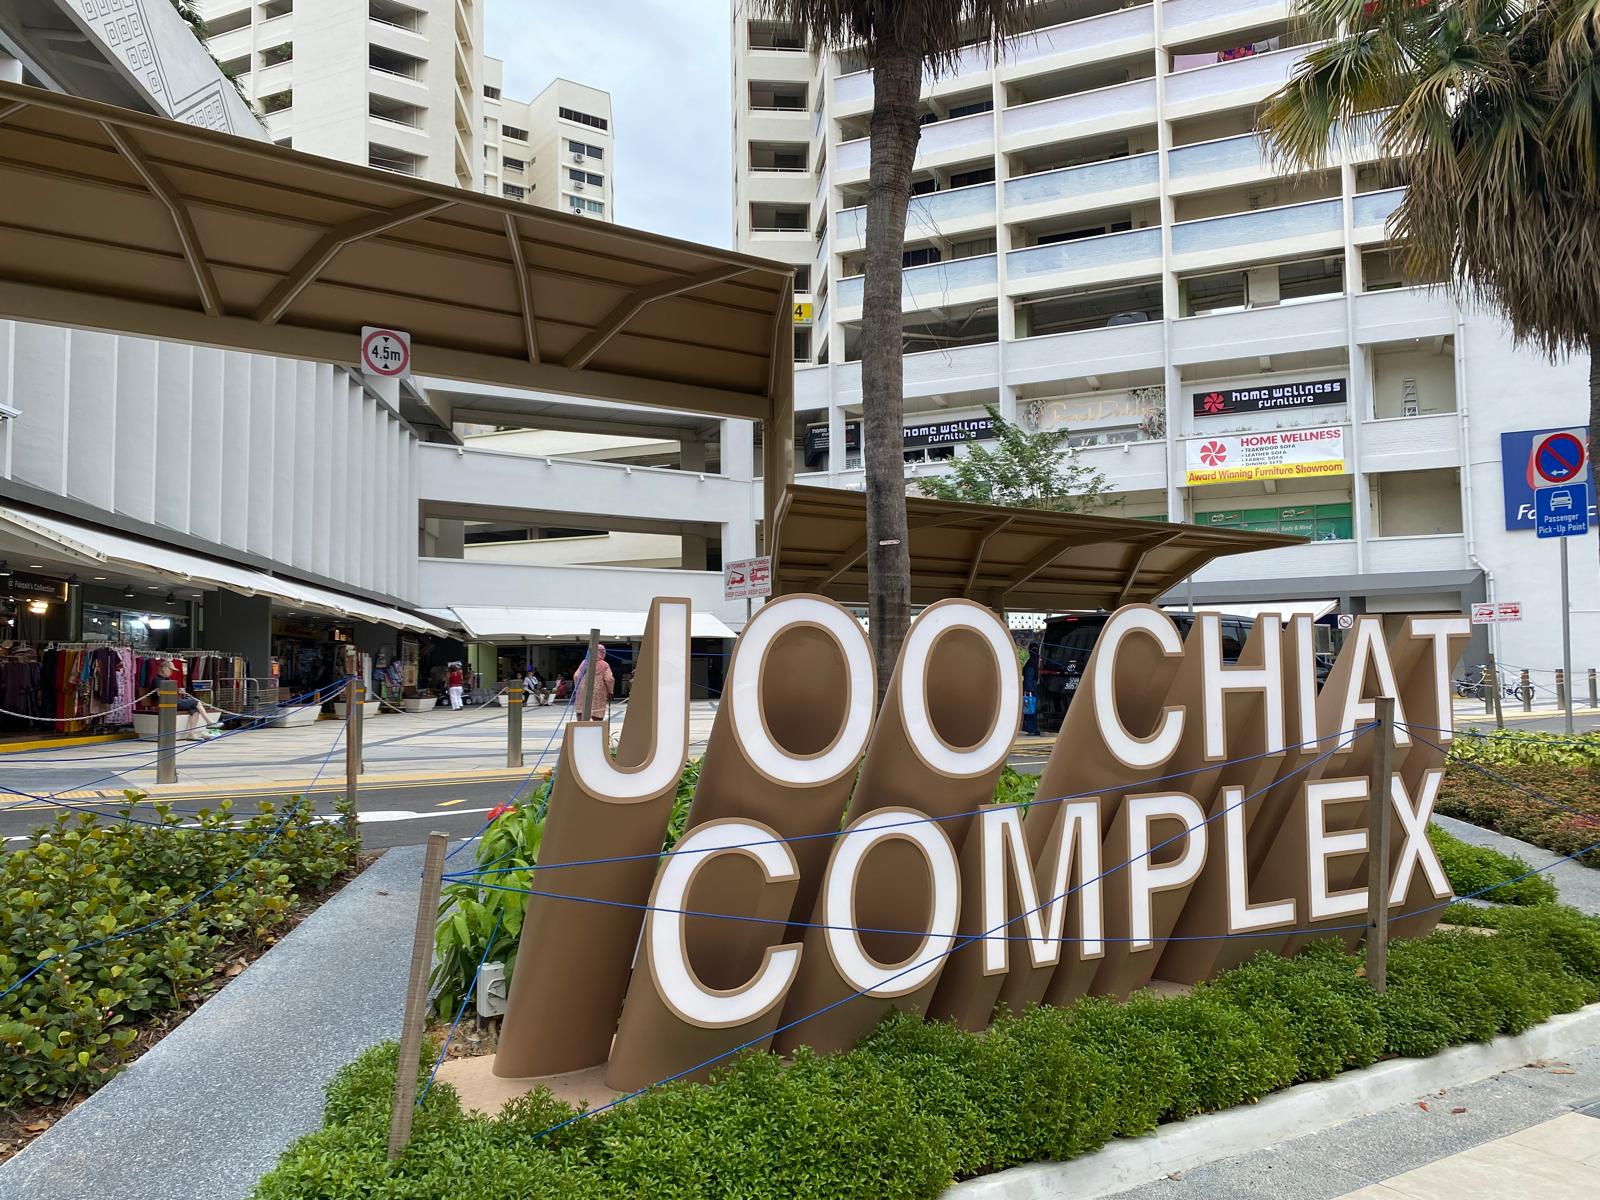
x=1068, y=640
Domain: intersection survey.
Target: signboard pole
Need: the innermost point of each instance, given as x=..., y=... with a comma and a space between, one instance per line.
x=1566, y=636
x=588, y=676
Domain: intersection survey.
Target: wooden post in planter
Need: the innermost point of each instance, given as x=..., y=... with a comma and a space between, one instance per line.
x=587, y=698
x=1378, y=845
x=1494, y=694
x=405, y=1075
x=353, y=699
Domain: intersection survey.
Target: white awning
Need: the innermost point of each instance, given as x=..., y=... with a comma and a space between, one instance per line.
x=569, y=624
x=1279, y=608
x=87, y=544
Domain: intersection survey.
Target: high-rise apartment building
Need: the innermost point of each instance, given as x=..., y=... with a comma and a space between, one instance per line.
x=554, y=151
x=384, y=82
x=1097, y=242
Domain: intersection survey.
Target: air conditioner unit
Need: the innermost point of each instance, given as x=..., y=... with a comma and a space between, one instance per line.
x=576, y=186
x=577, y=156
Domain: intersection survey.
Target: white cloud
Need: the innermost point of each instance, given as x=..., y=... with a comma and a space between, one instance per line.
x=668, y=69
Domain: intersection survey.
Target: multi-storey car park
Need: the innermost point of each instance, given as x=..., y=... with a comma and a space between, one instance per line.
x=1096, y=240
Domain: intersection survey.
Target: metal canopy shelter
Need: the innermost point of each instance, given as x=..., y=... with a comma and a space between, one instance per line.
x=128, y=223
x=1007, y=558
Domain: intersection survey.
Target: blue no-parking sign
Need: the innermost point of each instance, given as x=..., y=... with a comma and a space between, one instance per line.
x=1521, y=479
x=1561, y=511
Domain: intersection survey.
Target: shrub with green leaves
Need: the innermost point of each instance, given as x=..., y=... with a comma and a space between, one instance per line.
x=1540, y=788
x=133, y=888
x=1474, y=869
x=920, y=1104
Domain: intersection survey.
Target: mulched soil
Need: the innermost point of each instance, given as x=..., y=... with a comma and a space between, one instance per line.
x=20, y=1126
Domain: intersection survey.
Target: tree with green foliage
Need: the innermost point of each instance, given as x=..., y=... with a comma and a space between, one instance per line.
x=901, y=40
x=1489, y=112
x=1023, y=470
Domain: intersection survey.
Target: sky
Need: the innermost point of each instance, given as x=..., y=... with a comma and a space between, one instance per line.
x=668, y=67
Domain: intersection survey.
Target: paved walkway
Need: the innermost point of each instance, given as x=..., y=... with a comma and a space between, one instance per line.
x=397, y=746
x=211, y=1107
x=1556, y=1160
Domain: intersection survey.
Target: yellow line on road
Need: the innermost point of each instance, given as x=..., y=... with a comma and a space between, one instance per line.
x=450, y=803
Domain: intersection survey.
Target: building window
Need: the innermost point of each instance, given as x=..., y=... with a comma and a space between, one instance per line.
x=579, y=204
x=514, y=164
x=511, y=131
x=272, y=56
x=967, y=110
x=586, y=148
x=802, y=279
x=968, y=178
x=278, y=101
x=920, y=257
x=491, y=93
x=572, y=114
x=588, y=177
x=513, y=191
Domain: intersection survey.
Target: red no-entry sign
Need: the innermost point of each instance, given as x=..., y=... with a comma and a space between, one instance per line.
x=1558, y=458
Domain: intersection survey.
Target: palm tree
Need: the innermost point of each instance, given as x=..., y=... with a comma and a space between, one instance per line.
x=1489, y=112
x=899, y=39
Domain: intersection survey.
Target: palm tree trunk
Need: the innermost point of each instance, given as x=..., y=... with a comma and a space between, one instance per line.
x=897, y=76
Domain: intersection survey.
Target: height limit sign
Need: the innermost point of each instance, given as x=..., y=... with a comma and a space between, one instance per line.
x=385, y=353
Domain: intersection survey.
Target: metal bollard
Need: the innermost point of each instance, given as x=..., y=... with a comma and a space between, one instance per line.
x=1494, y=694
x=167, y=730
x=1594, y=690
x=515, y=700
x=1527, y=691
x=1561, y=688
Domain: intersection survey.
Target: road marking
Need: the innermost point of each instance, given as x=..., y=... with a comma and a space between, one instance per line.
x=383, y=816
x=451, y=803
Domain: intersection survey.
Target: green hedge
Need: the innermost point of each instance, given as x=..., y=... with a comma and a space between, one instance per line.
x=1472, y=869
x=918, y=1105
x=70, y=1027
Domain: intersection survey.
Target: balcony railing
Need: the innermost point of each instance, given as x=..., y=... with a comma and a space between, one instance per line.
x=1263, y=72
x=1263, y=225
x=1086, y=179
x=1077, y=37
x=926, y=213
x=1131, y=101
x=924, y=287
x=1106, y=250
x=1177, y=14
x=1374, y=208
x=1242, y=153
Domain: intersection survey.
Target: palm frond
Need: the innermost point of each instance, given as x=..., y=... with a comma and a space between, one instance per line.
x=935, y=31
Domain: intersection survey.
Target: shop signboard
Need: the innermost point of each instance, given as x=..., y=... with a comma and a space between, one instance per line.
x=1271, y=454
x=820, y=820
x=1520, y=476
x=938, y=433
x=34, y=587
x=1226, y=402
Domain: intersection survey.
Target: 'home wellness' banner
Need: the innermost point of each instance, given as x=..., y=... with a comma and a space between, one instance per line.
x=1279, y=454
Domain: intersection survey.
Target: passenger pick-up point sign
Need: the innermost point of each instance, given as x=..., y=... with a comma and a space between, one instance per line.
x=842, y=860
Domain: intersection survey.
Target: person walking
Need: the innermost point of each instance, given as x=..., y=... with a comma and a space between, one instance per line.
x=604, y=684
x=454, y=681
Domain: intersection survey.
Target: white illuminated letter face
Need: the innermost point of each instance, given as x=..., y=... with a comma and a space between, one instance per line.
x=1305, y=675
x=1145, y=878
x=1370, y=649
x=1417, y=851
x=859, y=969
x=1219, y=679
x=743, y=691
x=675, y=979
x=959, y=762
x=1322, y=845
x=1440, y=630
x=1159, y=746
x=1078, y=836
x=1243, y=916
x=592, y=764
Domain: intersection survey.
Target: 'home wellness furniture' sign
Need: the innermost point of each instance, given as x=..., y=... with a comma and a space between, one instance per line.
x=841, y=860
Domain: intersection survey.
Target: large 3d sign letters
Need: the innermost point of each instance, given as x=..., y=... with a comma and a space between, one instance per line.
x=841, y=860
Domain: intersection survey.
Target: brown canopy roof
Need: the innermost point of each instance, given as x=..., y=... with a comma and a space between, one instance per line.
x=1007, y=558
x=136, y=224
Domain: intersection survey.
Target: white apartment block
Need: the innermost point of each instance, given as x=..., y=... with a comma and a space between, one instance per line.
x=392, y=84
x=1096, y=241
x=554, y=151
